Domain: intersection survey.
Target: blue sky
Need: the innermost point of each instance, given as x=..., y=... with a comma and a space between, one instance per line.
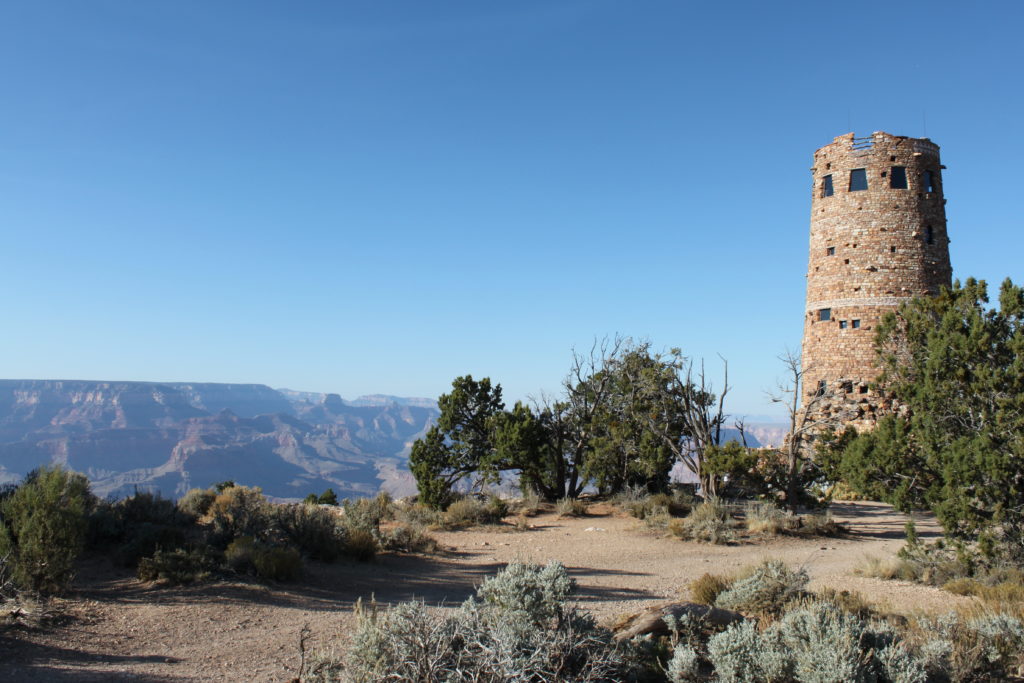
x=378, y=196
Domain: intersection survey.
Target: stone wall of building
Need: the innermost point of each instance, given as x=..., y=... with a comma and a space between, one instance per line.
x=878, y=238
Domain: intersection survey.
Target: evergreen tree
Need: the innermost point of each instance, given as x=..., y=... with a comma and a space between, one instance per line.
x=955, y=368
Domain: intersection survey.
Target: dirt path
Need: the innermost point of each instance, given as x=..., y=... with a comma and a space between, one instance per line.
x=230, y=631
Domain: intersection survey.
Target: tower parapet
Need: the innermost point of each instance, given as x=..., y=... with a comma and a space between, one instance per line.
x=878, y=238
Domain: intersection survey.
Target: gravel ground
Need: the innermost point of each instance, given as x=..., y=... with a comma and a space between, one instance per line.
x=123, y=630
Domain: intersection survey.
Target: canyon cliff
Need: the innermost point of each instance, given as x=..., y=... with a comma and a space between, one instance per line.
x=170, y=437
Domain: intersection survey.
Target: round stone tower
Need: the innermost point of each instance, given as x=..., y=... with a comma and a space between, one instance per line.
x=878, y=238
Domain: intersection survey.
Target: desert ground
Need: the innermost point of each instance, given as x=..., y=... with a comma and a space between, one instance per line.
x=120, y=629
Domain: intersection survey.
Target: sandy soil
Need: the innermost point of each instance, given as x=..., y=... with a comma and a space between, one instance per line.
x=227, y=631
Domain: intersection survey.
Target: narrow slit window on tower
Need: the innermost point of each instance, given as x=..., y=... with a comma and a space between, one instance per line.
x=858, y=179
x=831, y=251
x=898, y=178
x=928, y=182
x=855, y=324
x=824, y=314
x=863, y=388
x=929, y=235
x=821, y=388
x=826, y=186
x=892, y=250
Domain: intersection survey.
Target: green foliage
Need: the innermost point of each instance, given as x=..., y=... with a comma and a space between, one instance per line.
x=328, y=497
x=311, y=499
x=196, y=503
x=46, y=520
x=224, y=486
x=957, y=367
x=460, y=443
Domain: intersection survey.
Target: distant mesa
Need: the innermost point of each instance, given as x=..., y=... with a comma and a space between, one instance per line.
x=173, y=436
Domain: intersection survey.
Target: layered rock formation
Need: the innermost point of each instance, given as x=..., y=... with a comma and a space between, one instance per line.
x=170, y=437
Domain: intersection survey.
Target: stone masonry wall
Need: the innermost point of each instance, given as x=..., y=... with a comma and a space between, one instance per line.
x=870, y=250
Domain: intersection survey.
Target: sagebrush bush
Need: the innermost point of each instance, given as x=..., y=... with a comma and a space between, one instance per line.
x=240, y=555
x=46, y=519
x=768, y=519
x=483, y=641
x=196, y=503
x=741, y=654
x=767, y=589
x=419, y=515
x=179, y=566
x=316, y=531
x=571, y=507
x=538, y=592
x=240, y=511
x=706, y=588
x=366, y=514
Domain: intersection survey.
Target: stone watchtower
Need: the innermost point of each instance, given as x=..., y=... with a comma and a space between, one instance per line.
x=878, y=238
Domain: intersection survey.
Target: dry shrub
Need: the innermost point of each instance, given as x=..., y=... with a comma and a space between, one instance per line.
x=888, y=568
x=178, y=566
x=530, y=504
x=522, y=522
x=706, y=589
x=196, y=503
x=419, y=514
x=571, y=507
x=240, y=511
x=409, y=538
x=1000, y=592
x=277, y=564
x=709, y=522
x=768, y=520
x=361, y=545
x=316, y=531
x=471, y=511
x=850, y=602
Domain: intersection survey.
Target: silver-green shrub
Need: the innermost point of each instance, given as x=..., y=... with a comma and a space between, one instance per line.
x=537, y=592
x=684, y=665
x=494, y=636
x=742, y=654
x=769, y=588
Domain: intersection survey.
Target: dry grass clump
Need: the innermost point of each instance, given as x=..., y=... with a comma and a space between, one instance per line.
x=765, y=519
x=1001, y=588
x=709, y=522
x=530, y=504
x=571, y=507
x=196, y=503
x=706, y=588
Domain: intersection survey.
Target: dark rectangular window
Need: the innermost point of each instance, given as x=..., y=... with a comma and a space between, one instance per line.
x=826, y=186
x=898, y=178
x=929, y=235
x=858, y=179
x=824, y=314
x=847, y=387
x=854, y=324
x=842, y=324
x=831, y=251
x=863, y=388
x=928, y=182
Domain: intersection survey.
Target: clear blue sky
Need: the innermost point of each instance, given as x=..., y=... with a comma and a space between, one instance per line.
x=378, y=196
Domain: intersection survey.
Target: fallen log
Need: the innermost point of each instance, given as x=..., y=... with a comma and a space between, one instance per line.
x=652, y=620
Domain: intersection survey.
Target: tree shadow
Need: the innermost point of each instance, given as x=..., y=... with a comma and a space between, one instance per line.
x=23, y=659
